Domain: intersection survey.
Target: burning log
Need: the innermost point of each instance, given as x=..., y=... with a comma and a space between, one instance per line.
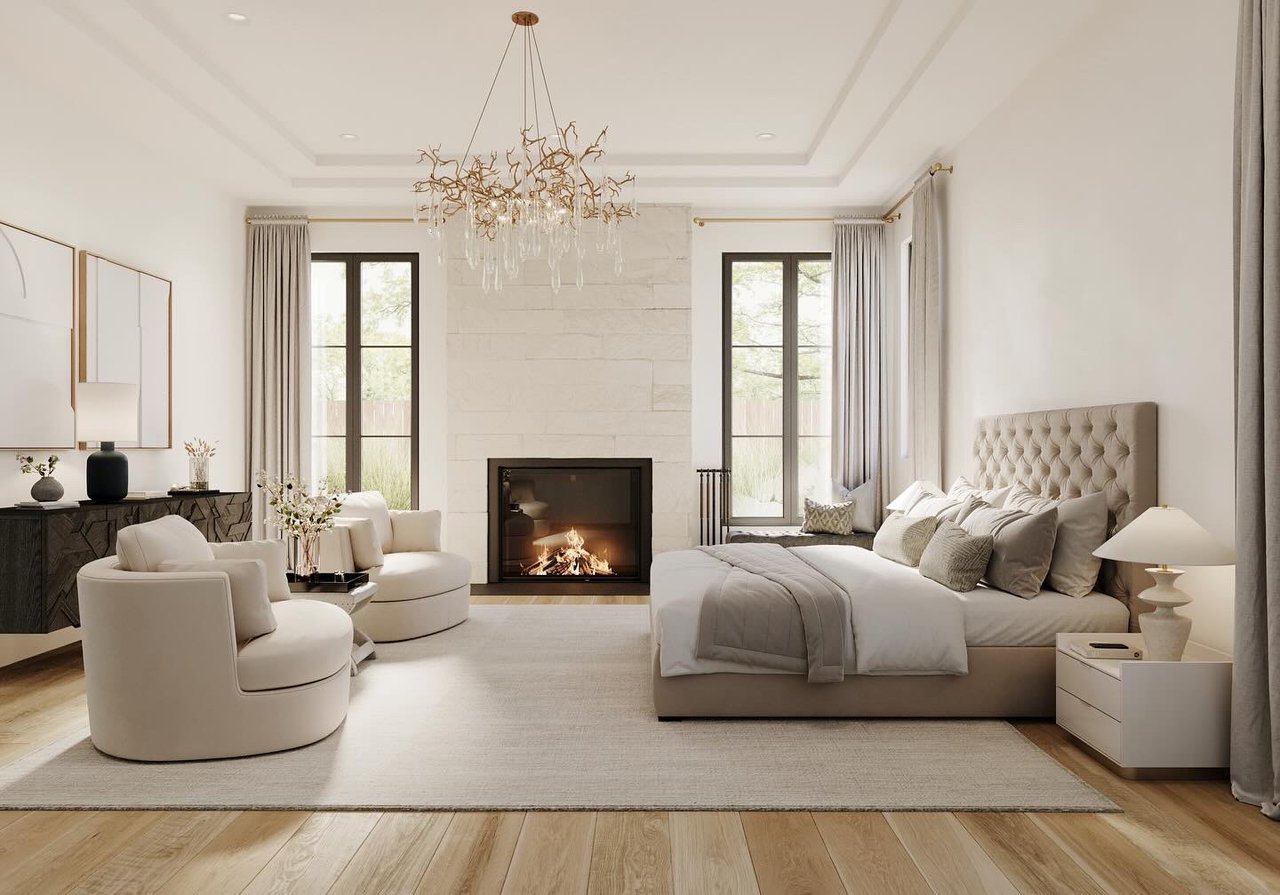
x=570, y=559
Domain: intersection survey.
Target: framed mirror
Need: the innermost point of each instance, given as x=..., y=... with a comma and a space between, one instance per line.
x=126, y=336
x=37, y=306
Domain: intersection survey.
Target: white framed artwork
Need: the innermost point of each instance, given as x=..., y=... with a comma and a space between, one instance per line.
x=37, y=321
x=126, y=336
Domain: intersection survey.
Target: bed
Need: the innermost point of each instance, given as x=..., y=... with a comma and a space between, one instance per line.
x=1009, y=642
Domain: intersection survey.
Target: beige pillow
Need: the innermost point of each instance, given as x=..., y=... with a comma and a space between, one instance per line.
x=366, y=547
x=955, y=558
x=913, y=492
x=142, y=547
x=1023, y=545
x=1082, y=527
x=827, y=518
x=369, y=505
x=903, y=538
x=962, y=489
x=250, y=608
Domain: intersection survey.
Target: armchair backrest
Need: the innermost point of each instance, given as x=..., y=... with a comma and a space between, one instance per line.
x=143, y=547
x=370, y=505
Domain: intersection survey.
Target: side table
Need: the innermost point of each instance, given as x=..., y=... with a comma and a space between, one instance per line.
x=349, y=601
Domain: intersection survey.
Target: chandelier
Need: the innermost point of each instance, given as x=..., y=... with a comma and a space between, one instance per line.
x=548, y=198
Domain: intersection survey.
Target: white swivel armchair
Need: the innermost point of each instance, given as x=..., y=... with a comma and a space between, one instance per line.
x=421, y=589
x=169, y=672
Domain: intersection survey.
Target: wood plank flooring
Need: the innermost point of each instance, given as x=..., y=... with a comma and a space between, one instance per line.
x=1173, y=837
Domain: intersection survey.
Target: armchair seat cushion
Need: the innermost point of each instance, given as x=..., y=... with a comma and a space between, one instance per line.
x=312, y=641
x=412, y=576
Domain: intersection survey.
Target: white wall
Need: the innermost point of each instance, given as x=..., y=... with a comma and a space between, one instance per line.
x=64, y=173
x=432, y=392
x=1089, y=256
x=710, y=244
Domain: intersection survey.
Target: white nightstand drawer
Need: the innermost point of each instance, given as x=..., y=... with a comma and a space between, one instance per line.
x=1099, y=730
x=1099, y=689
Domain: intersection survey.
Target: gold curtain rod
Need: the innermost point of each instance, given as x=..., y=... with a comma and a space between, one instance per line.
x=311, y=220
x=888, y=217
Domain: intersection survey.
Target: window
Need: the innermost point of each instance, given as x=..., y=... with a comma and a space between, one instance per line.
x=364, y=374
x=777, y=383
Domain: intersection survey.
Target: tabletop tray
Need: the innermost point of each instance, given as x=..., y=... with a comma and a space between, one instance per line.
x=327, y=583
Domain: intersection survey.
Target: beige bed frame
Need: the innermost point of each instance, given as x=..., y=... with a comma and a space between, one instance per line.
x=1055, y=453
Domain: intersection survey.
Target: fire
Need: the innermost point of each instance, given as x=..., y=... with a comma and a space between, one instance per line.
x=570, y=559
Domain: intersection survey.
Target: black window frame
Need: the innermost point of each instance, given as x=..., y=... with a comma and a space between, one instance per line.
x=792, y=510
x=354, y=435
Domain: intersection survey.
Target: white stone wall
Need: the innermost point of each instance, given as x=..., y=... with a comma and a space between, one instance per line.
x=599, y=372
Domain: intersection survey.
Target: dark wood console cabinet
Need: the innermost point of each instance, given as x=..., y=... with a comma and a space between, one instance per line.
x=42, y=550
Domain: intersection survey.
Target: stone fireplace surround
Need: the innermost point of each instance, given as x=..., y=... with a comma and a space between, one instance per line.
x=603, y=372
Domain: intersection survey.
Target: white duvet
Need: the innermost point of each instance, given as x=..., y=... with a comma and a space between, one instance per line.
x=988, y=617
x=900, y=623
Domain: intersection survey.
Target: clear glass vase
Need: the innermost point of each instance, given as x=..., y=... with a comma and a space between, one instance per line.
x=198, y=473
x=308, y=555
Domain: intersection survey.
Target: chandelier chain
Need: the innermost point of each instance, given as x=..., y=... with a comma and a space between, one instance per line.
x=546, y=88
x=488, y=95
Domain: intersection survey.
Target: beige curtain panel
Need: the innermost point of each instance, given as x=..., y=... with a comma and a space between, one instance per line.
x=924, y=333
x=1255, y=714
x=859, y=447
x=278, y=352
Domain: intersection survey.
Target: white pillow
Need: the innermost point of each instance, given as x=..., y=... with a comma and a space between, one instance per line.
x=366, y=551
x=141, y=548
x=863, y=500
x=995, y=497
x=945, y=509
x=251, y=611
x=369, y=505
x=914, y=492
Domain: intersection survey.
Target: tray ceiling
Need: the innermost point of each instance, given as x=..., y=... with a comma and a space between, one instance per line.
x=861, y=94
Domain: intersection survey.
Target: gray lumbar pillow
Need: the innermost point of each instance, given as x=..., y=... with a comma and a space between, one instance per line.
x=829, y=518
x=955, y=558
x=1023, y=545
x=1082, y=527
x=903, y=538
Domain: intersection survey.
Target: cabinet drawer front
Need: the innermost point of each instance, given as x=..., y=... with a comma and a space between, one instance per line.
x=1100, y=731
x=1100, y=690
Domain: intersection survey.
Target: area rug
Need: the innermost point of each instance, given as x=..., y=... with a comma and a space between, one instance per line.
x=548, y=707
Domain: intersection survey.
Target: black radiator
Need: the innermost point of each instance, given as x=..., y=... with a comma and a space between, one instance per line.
x=713, y=505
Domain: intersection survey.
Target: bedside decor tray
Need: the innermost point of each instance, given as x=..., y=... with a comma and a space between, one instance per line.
x=327, y=583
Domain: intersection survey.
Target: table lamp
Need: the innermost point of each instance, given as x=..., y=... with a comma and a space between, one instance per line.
x=106, y=412
x=1163, y=536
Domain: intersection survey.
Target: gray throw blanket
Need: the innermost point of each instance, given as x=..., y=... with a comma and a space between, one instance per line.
x=751, y=616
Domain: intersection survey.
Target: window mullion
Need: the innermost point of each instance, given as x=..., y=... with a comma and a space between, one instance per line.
x=790, y=392
x=354, y=443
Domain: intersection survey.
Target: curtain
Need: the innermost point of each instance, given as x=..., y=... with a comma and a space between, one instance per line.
x=859, y=427
x=1255, y=715
x=924, y=334
x=277, y=352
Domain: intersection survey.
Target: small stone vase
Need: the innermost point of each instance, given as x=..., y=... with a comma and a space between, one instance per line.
x=47, y=488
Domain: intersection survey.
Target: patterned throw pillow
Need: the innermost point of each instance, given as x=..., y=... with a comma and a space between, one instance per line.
x=955, y=558
x=903, y=538
x=827, y=518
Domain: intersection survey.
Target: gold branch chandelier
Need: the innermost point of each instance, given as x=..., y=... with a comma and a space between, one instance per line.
x=549, y=198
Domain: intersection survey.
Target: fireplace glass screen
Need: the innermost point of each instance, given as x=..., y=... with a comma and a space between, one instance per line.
x=570, y=522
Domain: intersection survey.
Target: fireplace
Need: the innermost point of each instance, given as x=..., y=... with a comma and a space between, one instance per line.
x=570, y=524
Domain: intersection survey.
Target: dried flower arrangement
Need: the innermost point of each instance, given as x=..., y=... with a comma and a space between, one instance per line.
x=198, y=447
x=300, y=513
x=29, y=465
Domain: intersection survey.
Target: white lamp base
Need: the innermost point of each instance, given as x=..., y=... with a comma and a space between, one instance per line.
x=1164, y=631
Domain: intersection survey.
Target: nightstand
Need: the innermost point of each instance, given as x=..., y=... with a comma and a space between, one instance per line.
x=1143, y=718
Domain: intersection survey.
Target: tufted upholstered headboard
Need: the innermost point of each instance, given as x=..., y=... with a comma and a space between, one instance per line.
x=1066, y=453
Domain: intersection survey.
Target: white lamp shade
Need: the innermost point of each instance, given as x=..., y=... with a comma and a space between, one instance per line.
x=106, y=411
x=1166, y=536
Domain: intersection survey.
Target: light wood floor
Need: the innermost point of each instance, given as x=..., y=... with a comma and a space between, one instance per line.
x=1172, y=837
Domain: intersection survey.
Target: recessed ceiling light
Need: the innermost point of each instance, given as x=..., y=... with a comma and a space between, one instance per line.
x=765, y=135
x=349, y=136
x=237, y=17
